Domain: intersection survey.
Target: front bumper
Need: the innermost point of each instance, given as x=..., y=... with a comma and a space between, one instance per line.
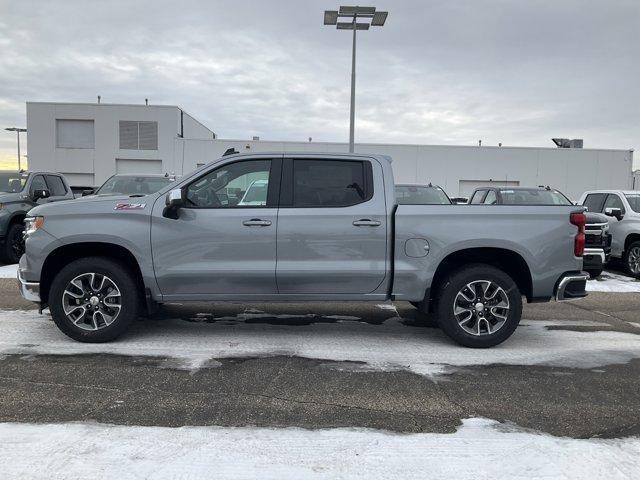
x=572, y=286
x=595, y=258
x=29, y=290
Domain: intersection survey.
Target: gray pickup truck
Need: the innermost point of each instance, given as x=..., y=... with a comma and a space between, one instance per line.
x=19, y=193
x=327, y=228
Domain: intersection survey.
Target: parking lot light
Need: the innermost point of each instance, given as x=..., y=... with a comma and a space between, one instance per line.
x=17, y=130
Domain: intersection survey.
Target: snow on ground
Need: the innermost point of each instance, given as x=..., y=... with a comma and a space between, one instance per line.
x=613, y=282
x=389, y=346
x=479, y=449
x=9, y=271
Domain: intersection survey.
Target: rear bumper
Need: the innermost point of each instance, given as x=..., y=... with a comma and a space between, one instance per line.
x=29, y=290
x=572, y=286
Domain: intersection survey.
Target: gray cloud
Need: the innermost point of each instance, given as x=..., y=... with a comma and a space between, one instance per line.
x=439, y=72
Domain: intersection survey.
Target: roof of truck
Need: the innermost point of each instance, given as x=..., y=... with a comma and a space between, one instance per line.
x=318, y=155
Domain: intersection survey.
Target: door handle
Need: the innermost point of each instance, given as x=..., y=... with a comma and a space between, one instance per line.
x=256, y=222
x=365, y=222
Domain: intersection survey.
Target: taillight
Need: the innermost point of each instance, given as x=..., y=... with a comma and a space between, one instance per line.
x=578, y=219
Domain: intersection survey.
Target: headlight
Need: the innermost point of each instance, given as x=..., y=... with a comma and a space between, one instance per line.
x=32, y=224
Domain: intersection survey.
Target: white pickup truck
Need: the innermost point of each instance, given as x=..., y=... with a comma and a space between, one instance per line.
x=326, y=228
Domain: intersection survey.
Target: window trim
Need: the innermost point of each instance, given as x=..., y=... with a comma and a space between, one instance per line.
x=273, y=190
x=483, y=193
x=286, y=186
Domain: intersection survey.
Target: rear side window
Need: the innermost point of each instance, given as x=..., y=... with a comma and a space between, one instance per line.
x=477, y=197
x=56, y=186
x=491, y=198
x=594, y=202
x=330, y=183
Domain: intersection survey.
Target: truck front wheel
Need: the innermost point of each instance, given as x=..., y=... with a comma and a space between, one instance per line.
x=94, y=299
x=479, y=306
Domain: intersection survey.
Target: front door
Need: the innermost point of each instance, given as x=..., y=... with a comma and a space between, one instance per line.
x=224, y=239
x=332, y=227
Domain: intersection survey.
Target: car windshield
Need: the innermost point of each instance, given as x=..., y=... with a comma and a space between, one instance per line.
x=533, y=197
x=421, y=195
x=634, y=201
x=12, y=182
x=132, y=185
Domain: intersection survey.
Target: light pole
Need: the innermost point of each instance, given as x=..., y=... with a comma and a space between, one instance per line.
x=377, y=19
x=17, y=130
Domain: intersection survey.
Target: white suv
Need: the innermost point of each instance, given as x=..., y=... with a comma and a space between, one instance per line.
x=623, y=208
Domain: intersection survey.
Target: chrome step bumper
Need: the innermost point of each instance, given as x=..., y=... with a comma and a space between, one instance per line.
x=572, y=286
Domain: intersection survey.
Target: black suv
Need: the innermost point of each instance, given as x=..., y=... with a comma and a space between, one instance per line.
x=597, y=237
x=19, y=193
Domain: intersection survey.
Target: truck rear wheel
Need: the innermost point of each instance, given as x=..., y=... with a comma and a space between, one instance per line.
x=479, y=306
x=94, y=299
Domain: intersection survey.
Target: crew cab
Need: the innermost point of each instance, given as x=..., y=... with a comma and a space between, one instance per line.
x=597, y=237
x=622, y=207
x=19, y=192
x=329, y=229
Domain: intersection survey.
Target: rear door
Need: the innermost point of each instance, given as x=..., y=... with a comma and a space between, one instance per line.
x=218, y=246
x=332, y=227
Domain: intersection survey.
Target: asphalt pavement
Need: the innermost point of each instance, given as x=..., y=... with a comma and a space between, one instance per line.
x=282, y=390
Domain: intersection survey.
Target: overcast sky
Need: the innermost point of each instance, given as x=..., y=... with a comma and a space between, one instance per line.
x=439, y=72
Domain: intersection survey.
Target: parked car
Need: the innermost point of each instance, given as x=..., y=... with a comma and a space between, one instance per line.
x=597, y=237
x=622, y=209
x=411, y=194
x=120, y=184
x=19, y=192
x=331, y=230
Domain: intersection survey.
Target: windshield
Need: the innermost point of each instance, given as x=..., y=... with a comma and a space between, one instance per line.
x=132, y=185
x=634, y=201
x=12, y=182
x=419, y=195
x=533, y=197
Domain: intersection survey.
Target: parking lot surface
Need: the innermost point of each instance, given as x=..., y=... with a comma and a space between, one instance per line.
x=569, y=371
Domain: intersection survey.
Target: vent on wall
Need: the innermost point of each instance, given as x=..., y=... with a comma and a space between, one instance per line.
x=138, y=135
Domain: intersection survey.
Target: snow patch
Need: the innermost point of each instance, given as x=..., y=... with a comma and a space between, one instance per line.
x=613, y=282
x=9, y=271
x=480, y=448
x=390, y=346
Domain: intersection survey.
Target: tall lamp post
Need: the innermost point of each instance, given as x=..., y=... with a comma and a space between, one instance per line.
x=372, y=18
x=17, y=130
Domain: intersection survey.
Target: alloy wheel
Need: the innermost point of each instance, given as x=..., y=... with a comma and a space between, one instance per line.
x=92, y=301
x=633, y=260
x=481, y=307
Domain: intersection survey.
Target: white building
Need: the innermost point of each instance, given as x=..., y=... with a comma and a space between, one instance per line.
x=90, y=142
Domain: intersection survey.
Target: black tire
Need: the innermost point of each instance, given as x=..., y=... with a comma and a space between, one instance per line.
x=454, y=284
x=119, y=275
x=594, y=273
x=13, y=246
x=628, y=259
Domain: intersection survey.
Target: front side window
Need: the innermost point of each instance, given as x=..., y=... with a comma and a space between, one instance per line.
x=56, y=185
x=38, y=183
x=491, y=198
x=634, y=201
x=329, y=183
x=477, y=197
x=614, y=201
x=240, y=184
x=594, y=202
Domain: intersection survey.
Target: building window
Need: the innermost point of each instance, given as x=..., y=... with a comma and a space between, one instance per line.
x=75, y=134
x=138, y=135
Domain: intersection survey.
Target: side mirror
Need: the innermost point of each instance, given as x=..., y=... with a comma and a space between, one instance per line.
x=614, y=212
x=173, y=201
x=38, y=194
x=89, y=191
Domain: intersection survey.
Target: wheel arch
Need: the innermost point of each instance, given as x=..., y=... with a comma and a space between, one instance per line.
x=509, y=261
x=632, y=237
x=65, y=254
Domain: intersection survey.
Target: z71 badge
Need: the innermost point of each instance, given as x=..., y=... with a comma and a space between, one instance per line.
x=130, y=206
